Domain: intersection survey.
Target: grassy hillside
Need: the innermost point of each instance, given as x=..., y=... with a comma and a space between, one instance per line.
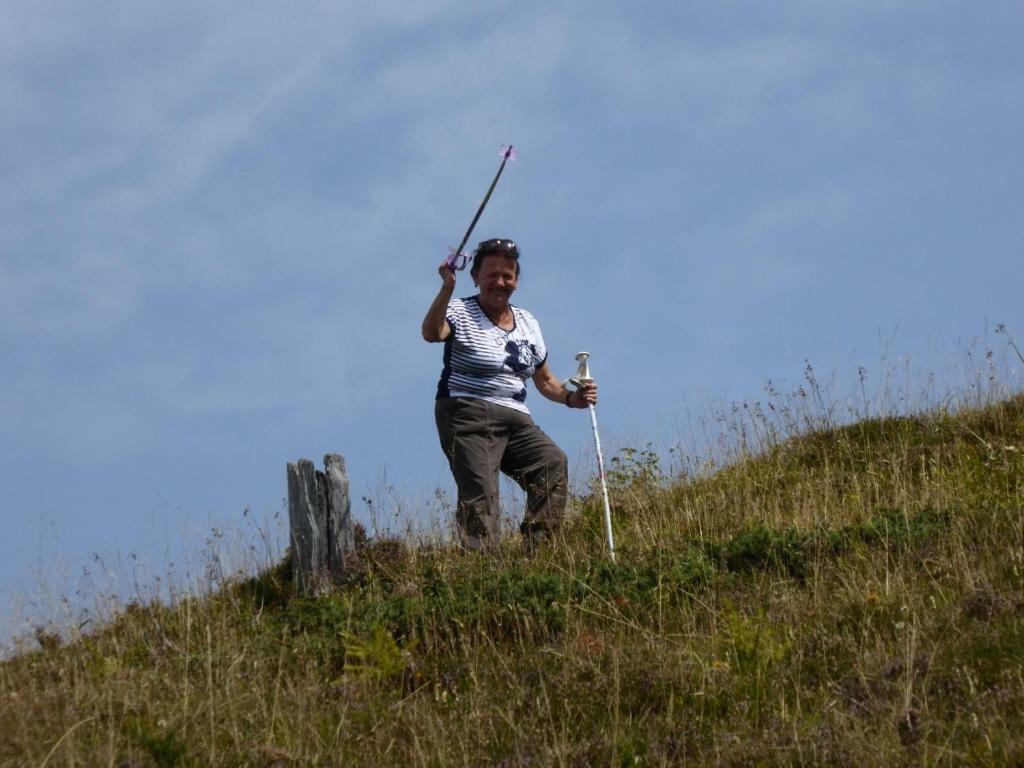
x=846, y=596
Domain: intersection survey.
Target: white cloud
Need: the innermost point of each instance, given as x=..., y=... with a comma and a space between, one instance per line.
x=117, y=154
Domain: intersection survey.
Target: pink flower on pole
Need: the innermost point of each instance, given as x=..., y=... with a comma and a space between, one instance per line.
x=507, y=150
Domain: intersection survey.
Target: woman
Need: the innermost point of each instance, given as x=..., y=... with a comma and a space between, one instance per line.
x=490, y=348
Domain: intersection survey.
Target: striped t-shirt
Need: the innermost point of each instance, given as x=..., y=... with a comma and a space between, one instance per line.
x=484, y=361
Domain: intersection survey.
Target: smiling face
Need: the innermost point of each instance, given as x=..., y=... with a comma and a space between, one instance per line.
x=496, y=278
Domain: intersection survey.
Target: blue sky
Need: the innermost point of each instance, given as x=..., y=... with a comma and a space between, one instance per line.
x=220, y=223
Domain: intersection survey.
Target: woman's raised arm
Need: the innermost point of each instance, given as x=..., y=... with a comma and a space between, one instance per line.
x=435, y=327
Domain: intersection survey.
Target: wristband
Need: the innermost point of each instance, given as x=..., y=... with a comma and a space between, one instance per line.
x=568, y=397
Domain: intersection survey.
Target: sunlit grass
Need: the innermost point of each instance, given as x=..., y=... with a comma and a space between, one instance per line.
x=817, y=590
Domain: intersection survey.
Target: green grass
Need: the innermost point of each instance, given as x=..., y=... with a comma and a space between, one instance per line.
x=852, y=595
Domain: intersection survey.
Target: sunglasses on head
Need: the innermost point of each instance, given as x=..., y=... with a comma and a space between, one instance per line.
x=499, y=245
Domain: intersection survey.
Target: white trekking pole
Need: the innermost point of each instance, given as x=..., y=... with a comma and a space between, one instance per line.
x=582, y=377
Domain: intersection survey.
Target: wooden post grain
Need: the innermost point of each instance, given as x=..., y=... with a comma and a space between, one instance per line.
x=320, y=519
x=340, y=530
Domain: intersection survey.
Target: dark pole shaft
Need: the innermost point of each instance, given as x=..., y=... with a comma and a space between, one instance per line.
x=487, y=197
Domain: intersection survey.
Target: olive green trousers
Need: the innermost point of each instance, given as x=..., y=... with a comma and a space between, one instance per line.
x=480, y=439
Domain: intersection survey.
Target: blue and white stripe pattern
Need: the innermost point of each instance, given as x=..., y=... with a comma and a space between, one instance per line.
x=484, y=361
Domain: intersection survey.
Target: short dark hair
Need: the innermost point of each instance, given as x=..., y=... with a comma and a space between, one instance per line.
x=498, y=246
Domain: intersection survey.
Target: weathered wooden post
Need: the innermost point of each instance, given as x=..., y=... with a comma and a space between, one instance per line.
x=340, y=528
x=320, y=519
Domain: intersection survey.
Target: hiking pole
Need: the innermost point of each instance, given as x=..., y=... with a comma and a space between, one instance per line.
x=583, y=377
x=458, y=258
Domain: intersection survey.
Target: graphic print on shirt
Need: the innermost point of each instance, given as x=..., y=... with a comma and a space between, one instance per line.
x=485, y=361
x=522, y=356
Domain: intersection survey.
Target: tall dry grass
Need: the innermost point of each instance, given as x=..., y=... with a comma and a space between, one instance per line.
x=817, y=590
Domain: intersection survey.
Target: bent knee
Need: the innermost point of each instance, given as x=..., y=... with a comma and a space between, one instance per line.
x=559, y=459
x=557, y=463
